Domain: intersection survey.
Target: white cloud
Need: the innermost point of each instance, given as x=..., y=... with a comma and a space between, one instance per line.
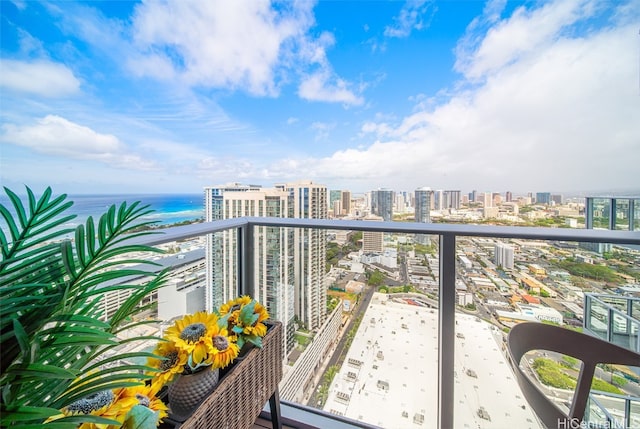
x=523, y=33
x=58, y=136
x=43, y=78
x=251, y=46
x=322, y=130
x=29, y=45
x=559, y=112
x=409, y=19
x=21, y=5
x=219, y=44
x=321, y=87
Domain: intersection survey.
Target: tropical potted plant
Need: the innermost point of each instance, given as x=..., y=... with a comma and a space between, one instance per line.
x=57, y=343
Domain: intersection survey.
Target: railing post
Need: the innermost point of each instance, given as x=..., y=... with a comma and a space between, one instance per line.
x=446, y=330
x=627, y=412
x=245, y=260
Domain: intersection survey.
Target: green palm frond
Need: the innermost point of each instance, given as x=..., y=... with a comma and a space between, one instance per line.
x=53, y=328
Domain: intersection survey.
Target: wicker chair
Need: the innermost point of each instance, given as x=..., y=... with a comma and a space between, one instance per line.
x=590, y=350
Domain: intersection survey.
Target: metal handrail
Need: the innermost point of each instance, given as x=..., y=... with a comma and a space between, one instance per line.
x=465, y=230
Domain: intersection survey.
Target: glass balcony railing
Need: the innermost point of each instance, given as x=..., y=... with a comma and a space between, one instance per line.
x=613, y=318
x=412, y=334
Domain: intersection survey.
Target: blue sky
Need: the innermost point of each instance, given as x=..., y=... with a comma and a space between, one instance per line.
x=171, y=96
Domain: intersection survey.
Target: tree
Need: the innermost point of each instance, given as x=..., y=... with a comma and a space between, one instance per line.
x=375, y=278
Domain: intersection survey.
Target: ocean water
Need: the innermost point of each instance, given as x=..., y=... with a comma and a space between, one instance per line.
x=167, y=208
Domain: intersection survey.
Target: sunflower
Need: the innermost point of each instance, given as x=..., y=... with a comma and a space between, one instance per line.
x=258, y=328
x=97, y=404
x=224, y=350
x=192, y=333
x=233, y=307
x=174, y=362
x=144, y=395
x=244, y=318
x=234, y=304
x=115, y=405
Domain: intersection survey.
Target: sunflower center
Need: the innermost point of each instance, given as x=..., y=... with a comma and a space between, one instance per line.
x=193, y=332
x=92, y=402
x=143, y=400
x=171, y=359
x=220, y=342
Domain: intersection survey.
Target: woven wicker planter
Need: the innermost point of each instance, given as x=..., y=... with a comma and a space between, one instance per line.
x=243, y=391
x=187, y=392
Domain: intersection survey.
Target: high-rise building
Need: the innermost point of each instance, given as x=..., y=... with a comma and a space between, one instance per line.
x=451, y=200
x=487, y=199
x=508, y=196
x=309, y=201
x=334, y=195
x=346, y=203
x=473, y=195
x=274, y=273
x=337, y=208
x=400, y=203
x=543, y=197
x=437, y=200
x=373, y=241
x=422, y=206
x=422, y=211
x=382, y=203
x=219, y=270
x=503, y=256
x=289, y=263
x=557, y=199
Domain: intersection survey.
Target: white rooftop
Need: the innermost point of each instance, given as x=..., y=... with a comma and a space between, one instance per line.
x=395, y=383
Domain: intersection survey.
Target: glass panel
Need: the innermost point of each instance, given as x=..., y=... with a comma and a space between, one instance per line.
x=634, y=414
x=635, y=309
x=622, y=214
x=384, y=368
x=615, y=390
x=601, y=213
x=625, y=331
x=499, y=283
x=605, y=411
x=598, y=318
x=387, y=373
x=636, y=214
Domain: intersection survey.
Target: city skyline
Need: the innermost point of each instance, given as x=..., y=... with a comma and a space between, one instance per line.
x=163, y=97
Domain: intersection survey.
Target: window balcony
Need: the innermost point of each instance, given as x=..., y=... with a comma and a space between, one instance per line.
x=424, y=359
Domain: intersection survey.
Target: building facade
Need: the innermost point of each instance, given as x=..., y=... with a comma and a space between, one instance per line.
x=220, y=270
x=309, y=201
x=451, y=200
x=543, y=198
x=422, y=212
x=382, y=203
x=372, y=241
x=503, y=256
x=289, y=263
x=346, y=203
